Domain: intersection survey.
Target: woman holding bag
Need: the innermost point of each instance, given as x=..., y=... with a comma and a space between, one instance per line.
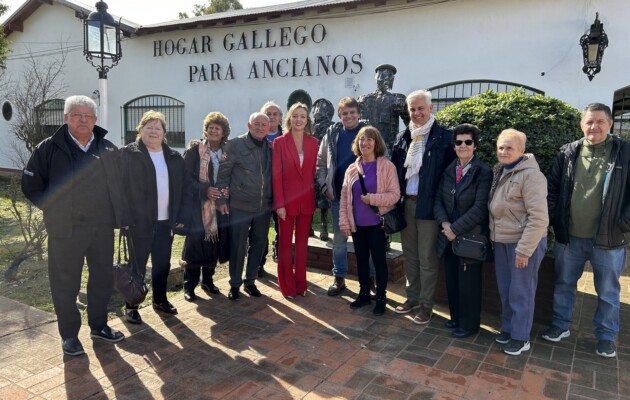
x=461, y=208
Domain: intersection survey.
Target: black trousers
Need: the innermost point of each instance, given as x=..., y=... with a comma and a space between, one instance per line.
x=463, y=287
x=246, y=227
x=274, y=216
x=159, y=247
x=371, y=241
x=193, y=272
x=66, y=257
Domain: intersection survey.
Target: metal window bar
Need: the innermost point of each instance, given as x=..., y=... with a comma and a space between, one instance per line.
x=48, y=118
x=172, y=109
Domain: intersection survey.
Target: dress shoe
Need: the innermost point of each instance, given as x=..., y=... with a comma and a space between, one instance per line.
x=450, y=324
x=462, y=333
x=72, y=347
x=107, y=334
x=252, y=290
x=133, y=317
x=234, y=293
x=165, y=307
x=210, y=289
x=189, y=295
x=324, y=236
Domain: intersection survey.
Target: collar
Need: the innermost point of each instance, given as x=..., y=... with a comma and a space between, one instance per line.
x=82, y=147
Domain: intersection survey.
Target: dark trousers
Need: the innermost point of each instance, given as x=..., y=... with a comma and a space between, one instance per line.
x=371, y=241
x=463, y=287
x=276, y=241
x=193, y=272
x=159, y=247
x=246, y=226
x=65, y=264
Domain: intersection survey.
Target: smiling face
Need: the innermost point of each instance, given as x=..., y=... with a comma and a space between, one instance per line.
x=214, y=134
x=349, y=117
x=595, y=125
x=419, y=110
x=366, y=147
x=299, y=118
x=259, y=127
x=509, y=149
x=152, y=135
x=463, y=150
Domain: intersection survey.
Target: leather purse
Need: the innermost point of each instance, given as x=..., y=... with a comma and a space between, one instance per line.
x=394, y=220
x=472, y=247
x=127, y=279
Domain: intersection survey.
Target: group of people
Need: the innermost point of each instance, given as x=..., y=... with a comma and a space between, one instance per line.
x=222, y=194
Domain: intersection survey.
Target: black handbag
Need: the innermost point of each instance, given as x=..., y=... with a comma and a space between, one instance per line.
x=394, y=220
x=127, y=279
x=472, y=247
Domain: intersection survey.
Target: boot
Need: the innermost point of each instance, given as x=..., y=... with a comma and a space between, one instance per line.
x=337, y=287
x=363, y=299
x=372, y=288
x=381, y=304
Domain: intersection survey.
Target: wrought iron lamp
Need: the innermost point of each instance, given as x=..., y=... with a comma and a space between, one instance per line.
x=101, y=47
x=593, y=44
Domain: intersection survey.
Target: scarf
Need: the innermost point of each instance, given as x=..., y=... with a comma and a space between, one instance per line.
x=413, y=162
x=208, y=206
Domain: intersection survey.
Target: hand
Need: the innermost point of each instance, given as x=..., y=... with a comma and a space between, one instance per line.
x=282, y=213
x=223, y=209
x=448, y=232
x=365, y=198
x=521, y=262
x=213, y=193
x=125, y=227
x=329, y=195
x=179, y=226
x=225, y=192
x=346, y=232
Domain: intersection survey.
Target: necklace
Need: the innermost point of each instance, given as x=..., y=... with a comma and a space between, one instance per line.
x=367, y=166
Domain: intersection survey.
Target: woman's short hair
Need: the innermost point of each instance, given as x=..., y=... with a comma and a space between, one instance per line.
x=419, y=94
x=467, y=129
x=347, y=102
x=372, y=133
x=79, y=100
x=519, y=137
x=308, y=129
x=150, y=116
x=216, y=117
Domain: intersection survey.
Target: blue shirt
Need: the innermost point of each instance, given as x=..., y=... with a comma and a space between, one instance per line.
x=345, y=156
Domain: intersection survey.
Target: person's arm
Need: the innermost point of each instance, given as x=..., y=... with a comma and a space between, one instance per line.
x=277, y=179
x=478, y=212
x=391, y=195
x=534, y=194
x=226, y=165
x=554, y=184
x=344, y=221
x=35, y=176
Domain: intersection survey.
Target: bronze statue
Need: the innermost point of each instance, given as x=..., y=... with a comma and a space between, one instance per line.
x=383, y=108
x=323, y=111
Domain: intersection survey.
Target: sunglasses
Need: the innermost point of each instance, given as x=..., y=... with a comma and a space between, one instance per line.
x=467, y=142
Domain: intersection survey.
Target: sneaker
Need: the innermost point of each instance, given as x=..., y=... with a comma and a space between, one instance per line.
x=555, y=334
x=503, y=338
x=252, y=290
x=516, y=347
x=424, y=316
x=338, y=286
x=107, y=334
x=606, y=348
x=72, y=347
x=406, y=307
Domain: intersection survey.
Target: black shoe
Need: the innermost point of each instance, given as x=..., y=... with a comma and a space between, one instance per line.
x=189, y=295
x=362, y=300
x=381, y=304
x=311, y=233
x=107, y=334
x=133, y=317
x=324, y=236
x=261, y=271
x=72, y=347
x=450, y=324
x=210, y=289
x=461, y=333
x=338, y=286
x=252, y=290
x=165, y=307
x=234, y=293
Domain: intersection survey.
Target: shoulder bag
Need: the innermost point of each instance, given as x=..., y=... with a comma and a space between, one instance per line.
x=392, y=221
x=472, y=247
x=127, y=280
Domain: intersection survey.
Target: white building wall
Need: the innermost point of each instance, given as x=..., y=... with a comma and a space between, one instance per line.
x=534, y=43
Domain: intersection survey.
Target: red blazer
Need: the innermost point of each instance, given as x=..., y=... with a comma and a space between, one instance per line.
x=294, y=186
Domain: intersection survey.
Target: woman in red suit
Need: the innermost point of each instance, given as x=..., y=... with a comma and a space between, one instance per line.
x=294, y=160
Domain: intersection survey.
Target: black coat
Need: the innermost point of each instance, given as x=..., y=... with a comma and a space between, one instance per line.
x=140, y=188
x=470, y=200
x=45, y=180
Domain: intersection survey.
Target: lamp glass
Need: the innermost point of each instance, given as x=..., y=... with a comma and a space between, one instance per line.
x=592, y=53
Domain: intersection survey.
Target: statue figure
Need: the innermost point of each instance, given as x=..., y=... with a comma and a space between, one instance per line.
x=383, y=108
x=323, y=111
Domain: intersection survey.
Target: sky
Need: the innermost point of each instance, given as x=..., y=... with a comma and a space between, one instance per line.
x=147, y=12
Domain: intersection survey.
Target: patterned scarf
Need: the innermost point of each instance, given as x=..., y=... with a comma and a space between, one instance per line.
x=413, y=162
x=208, y=206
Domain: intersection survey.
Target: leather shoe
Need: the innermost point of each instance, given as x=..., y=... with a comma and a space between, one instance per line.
x=234, y=293
x=210, y=289
x=72, y=347
x=165, y=307
x=252, y=290
x=133, y=317
x=189, y=295
x=450, y=324
x=462, y=333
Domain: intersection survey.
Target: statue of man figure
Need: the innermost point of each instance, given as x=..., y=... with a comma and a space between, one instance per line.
x=383, y=108
x=323, y=111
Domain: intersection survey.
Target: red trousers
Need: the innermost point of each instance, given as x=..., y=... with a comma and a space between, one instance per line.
x=292, y=277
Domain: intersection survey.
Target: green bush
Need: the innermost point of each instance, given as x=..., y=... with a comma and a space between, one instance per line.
x=548, y=123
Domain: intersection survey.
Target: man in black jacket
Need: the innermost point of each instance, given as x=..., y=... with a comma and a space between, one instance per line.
x=73, y=177
x=589, y=209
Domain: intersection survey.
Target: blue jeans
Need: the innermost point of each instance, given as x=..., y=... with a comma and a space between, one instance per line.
x=340, y=246
x=607, y=267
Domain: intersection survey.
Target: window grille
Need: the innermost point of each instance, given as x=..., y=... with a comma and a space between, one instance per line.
x=172, y=109
x=621, y=113
x=48, y=118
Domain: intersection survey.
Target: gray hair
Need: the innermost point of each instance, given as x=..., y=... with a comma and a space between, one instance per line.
x=419, y=94
x=598, y=107
x=256, y=115
x=79, y=100
x=269, y=105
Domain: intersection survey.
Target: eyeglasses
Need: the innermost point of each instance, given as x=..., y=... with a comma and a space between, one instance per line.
x=79, y=117
x=467, y=142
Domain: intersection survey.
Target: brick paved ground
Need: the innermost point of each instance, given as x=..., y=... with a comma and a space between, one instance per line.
x=313, y=347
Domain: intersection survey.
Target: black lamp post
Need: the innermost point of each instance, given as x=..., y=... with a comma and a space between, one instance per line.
x=593, y=44
x=101, y=47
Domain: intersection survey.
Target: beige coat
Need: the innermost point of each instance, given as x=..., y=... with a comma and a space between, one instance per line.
x=518, y=207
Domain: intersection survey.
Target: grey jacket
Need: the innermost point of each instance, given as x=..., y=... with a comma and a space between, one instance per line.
x=246, y=170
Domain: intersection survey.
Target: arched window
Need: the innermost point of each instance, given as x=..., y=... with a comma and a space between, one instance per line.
x=172, y=109
x=453, y=92
x=621, y=112
x=48, y=118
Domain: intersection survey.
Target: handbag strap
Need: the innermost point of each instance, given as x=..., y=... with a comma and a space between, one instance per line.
x=126, y=243
x=365, y=192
